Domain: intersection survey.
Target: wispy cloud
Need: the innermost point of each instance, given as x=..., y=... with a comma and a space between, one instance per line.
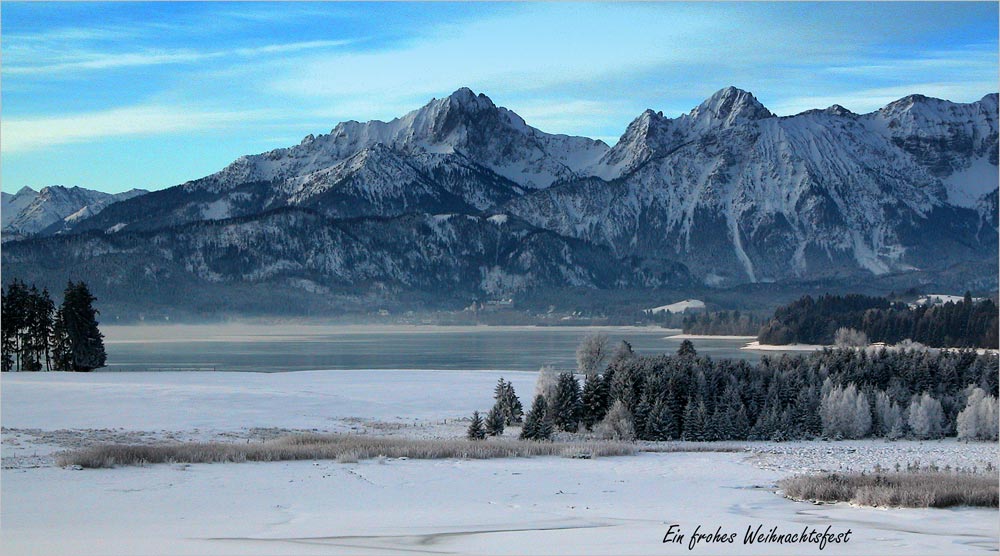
x=83, y=61
x=28, y=134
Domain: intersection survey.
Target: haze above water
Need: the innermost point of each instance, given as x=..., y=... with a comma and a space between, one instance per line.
x=291, y=347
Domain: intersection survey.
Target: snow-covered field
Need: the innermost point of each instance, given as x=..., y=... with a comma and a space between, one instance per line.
x=540, y=505
x=678, y=307
x=757, y=346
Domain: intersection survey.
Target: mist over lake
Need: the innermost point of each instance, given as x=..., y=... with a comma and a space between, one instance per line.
x=289, y=347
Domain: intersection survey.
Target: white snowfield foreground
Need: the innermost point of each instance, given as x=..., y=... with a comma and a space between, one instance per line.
x=619, y=505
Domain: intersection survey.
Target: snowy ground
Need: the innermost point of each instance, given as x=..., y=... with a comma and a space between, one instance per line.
x=539, y=505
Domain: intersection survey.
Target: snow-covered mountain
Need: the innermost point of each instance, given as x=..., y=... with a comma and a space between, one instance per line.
x=741, y=195
x=459, y=153
x=724, y=195
x=53, y=208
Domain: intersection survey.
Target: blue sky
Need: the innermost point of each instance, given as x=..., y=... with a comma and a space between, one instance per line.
x=112, y=96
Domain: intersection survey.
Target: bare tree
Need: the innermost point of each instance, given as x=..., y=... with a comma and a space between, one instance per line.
x=546, y=382
x=617, y=424
x=592, y=353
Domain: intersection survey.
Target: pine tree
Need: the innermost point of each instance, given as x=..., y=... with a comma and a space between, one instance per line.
x=641, y=415
x=476, y=430
x=566, y=404
x=537, y=423
x=594, y=400
x=686, y=349
x=83, y=341
x=6, y=334
x=495, y=421
x=695, y=417
x=660, y=423
x=515, y=412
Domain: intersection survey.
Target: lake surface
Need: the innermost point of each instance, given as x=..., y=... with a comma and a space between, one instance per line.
x=264, y=348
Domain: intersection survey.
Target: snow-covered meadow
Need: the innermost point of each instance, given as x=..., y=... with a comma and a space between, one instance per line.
x=535, y=505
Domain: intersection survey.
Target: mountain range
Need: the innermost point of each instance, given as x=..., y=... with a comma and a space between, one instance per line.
x=463, y=199
x=52, y=209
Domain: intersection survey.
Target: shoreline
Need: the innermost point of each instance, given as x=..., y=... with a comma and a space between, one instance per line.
x=708, y=337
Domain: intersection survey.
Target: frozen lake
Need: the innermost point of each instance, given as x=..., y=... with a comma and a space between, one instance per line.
x=544, y=505
x=266, y=348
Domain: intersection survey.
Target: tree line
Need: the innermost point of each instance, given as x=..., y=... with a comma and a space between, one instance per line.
x=722, y=323
x=833, y=393
x=966, y=323
x=35, y=336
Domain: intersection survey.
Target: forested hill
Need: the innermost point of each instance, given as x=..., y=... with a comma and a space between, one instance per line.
x=965, y=323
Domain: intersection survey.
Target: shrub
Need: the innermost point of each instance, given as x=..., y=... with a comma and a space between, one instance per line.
x=921, y=489
x=342, y=448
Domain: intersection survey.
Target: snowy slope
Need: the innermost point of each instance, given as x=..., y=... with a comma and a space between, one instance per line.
x=742, y=195
x=28, y=213
x=679, y=307
x=14, y=204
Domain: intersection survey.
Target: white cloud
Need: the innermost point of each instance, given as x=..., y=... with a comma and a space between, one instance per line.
x=27, y=134
x=540, y=47
x=88, y=60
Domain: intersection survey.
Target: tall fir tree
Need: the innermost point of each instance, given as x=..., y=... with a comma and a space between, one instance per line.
x=495, y=421
x=566, y=404
x=476, y=430
x=81, y=340
x=537, y=422
x=594, y=400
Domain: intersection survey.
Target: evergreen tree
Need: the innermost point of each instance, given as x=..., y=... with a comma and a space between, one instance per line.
x=641, y=415
x=566, y=404
x=83, y=341
x=509, y=404
x=476, y=430
x=537, y=423
x=495, y=421
x=660, y=423
x=7, y=342
x=594, y=400
x=686, y=349
x=695, y=420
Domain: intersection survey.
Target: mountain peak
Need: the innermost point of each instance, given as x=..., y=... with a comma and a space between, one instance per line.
x=729, y=105
x=465, y=98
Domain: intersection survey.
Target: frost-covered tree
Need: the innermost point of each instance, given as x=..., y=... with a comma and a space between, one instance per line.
x=495, y=421
x=508, y=402
x=622, y=352
x=617, y=424
x=845, y=413
x=890, y=416
x=925, y=417
x=660, y=423
x=546, y=382
x=978, y=421
x=592, y=353
x=566, y=404
x=537, y=423
x=476, y=430
x=695, y=421
x=849, y=337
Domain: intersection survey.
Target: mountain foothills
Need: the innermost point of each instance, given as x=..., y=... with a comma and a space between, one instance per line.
x=462, y=199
